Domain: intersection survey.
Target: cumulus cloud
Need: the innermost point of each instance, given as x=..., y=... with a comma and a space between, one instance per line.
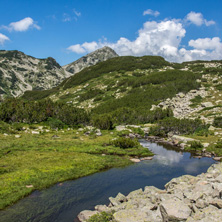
x=151, y=12
x=197, y=18
x=206, y=43
x=160, y=38
x=22, y=25
x=3, y=38
x=79, y=49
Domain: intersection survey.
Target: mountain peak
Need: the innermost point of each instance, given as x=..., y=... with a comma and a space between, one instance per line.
x=90, y=59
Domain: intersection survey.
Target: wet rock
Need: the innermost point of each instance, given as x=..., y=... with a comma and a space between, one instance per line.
x=146, y=158
x=135, y=160
x=85, y=215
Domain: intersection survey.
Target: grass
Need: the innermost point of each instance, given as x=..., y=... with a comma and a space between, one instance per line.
x=38, y=161
x=211, y=139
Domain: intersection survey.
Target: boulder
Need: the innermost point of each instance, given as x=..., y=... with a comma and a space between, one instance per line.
x=85, y=215
x=207, y=104
x=120, y=198
x=182, y=138
x=135, y=160
x=174, y=210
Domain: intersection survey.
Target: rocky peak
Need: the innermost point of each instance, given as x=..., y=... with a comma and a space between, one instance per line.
x=20, y=72
x=90, y=59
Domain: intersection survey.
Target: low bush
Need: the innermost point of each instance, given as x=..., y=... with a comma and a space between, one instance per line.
x=218, y=121
x=196, y=144
x=55, y=123
x=103, y=122
x=4, y=127
x=101, y=217
x=218, y=144
x=177, y=126
x=125, y=143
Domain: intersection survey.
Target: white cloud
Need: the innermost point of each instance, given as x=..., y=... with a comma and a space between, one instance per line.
x=151, y=12
x=206, y=43
x=22, y=25
x=78, y=14
x=77, y=49
x=198, y=19
x=3, y=38
x=160, y=38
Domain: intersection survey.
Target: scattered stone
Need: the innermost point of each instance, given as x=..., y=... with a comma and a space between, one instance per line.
x=217, y=158
x=135, y=160
x=146, y=158
x=205, y=145
x=120, y=128
x=211, y=128
x=181, y=95
x=17, y=136
x=35, y=132
x=29, y=186
x=55, y=137
x=207, y=104
x=5, y=134
x=99, y=134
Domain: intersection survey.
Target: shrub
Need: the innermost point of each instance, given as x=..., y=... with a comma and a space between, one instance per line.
x=55, y=123
x=101, y=217
x=103, y=122
x=125, y=143
x=219, y=144
x=196, y=144
x=177, y=126
x=4, y=127
x=17, y=126
x=218, y=122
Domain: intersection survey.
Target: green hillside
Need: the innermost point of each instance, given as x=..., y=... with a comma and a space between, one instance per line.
x=122, y=85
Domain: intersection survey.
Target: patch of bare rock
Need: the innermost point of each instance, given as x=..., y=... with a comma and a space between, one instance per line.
x=186, y=198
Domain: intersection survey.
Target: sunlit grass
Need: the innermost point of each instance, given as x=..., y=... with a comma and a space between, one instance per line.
x=38, y=161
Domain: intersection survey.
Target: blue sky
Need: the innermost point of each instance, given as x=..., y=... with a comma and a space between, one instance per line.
x=66, y=30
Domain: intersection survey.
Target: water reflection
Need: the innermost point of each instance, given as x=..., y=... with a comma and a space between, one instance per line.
x=62, y=202
x=163, y=156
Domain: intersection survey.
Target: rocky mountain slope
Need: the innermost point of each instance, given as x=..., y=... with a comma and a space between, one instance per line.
x=20, y=72
x=92, y=58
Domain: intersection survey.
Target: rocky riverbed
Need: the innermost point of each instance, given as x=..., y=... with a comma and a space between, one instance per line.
x=186, y=198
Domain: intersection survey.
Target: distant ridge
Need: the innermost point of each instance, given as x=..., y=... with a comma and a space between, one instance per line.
x=92, y=58
x=20, y=72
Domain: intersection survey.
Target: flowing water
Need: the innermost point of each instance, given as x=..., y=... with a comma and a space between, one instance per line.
x=63, y=202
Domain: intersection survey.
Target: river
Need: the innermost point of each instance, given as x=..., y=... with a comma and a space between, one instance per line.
x=62, y=202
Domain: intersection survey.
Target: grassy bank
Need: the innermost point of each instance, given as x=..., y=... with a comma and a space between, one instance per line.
x=38, y=161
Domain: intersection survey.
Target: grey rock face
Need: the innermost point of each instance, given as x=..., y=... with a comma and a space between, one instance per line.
x=92, y=58
x=20, y=72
